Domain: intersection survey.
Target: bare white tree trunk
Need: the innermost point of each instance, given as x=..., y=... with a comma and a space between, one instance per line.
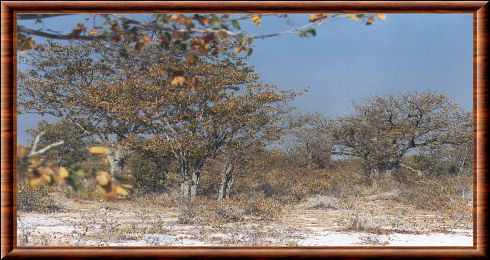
x=185, y=189
x=34, y=150
x=374, y=177
x=116, y=159
x=195, y=177
x=189, y=182
x=227, y=178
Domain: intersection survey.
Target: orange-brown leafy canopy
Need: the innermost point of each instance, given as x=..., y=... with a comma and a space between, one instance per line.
x=190, y=107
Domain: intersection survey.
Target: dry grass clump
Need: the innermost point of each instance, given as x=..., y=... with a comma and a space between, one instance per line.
x=359, y=222
x=322, y=202
x=206, y=210
x=151, y=200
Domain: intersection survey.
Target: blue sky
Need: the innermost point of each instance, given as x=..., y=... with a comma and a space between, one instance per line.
x=348, y=60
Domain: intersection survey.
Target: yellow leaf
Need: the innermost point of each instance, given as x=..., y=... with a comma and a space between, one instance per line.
x=46, y=178
x=382, y=17
x=99, y=150
x=352, y=17
x=256, y=20
x=178, y=81
x=173, y=18
x=92, y=32
x=146, y=40
x=239, y=49
x=21, y=151
x=63, y=173
x=370, y=20
x=127, y=186
x=34, y=182
x=27, y=45
x=43, y=170
x=121, y=191
x=318, y=18
x=108, y=193
x=103, y=178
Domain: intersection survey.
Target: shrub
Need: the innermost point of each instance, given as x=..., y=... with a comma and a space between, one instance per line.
x=447, y=195
x=145, y=172
x=39, y=199
x=262, y=207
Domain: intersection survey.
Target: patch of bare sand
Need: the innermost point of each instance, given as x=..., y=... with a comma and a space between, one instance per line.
x=126, y=223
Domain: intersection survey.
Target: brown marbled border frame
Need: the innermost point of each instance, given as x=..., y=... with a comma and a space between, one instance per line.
x=9, y=123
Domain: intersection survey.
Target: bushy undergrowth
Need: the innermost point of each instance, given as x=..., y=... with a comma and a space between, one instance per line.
x=274, y=177
x=39, y=200
x=449, y=195
x=268, y=184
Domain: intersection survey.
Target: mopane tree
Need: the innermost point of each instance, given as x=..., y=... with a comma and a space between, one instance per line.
x=211, y=104
x=89, y=85
x=455, y=154
x=261, y=123
x=383, y=129
x=311, y=139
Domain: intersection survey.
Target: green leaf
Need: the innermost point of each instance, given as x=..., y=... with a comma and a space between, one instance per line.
x=224, y=26
x=307, y=33
x=214, y=20
x=124, y=53
x=312, y=31
x=249, y=51
x=351, y=16
x=236, y=24
x=164, y=18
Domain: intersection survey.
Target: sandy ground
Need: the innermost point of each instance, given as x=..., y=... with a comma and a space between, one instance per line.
x=125, y=223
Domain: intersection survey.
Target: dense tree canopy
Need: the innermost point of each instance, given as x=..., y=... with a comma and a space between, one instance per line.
x=191, y=109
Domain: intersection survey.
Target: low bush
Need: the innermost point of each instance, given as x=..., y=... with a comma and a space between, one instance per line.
x=40, y=199
x=449, y=195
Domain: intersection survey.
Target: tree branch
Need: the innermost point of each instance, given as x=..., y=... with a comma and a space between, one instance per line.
x=37, y=16
x=36, y=142
x=419, y=173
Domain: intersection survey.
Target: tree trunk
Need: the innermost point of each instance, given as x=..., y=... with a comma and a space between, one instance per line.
x=116, y=159
x=196, y=176
x=189, y=181
x=227, y=178
x=462, y=161
x=374, y=177
x=185, y=189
